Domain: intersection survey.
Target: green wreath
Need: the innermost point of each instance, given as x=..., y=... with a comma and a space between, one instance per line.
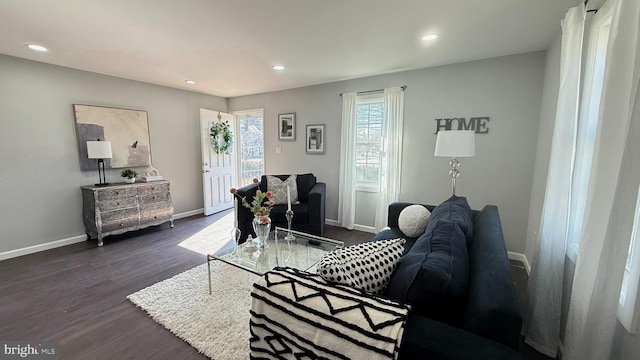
x=225, y=146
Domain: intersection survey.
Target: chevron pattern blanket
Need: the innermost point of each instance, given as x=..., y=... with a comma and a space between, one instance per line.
x=296, y=315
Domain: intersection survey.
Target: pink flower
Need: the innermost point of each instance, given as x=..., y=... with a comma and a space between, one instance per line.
x=264, y=220
x=269, y=194
x=258, y=213
x=271, y=203
x=255, y=180
x=233, y=190
x=258, y=192
x=263, y=209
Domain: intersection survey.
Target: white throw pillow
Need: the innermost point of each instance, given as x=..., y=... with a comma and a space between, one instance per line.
x=413, y=220
x=367, y=266
x=279, y=189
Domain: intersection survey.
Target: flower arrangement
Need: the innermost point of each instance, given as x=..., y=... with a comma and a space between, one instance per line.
x=259, y=207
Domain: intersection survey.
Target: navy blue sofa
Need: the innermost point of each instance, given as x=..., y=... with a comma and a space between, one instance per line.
x=483, y=323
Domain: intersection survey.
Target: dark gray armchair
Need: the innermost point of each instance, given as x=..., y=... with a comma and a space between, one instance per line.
x=308, y=216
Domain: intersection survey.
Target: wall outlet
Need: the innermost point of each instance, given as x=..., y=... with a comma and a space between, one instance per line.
x=278, y=150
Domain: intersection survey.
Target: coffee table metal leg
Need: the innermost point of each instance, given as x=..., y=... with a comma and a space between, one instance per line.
x=209, y=272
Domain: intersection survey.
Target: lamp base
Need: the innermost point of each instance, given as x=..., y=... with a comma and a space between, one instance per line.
x=103, y=184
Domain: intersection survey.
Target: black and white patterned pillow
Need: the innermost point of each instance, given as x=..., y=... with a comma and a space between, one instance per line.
x=367, y=266
x=279, y=189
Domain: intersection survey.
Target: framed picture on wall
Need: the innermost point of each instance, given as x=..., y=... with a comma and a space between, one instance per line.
x=287, y=127
x=315, y=139
x=127, y=130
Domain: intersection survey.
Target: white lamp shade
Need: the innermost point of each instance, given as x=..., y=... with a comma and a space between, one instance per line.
x=456, y=143
x=99, y=150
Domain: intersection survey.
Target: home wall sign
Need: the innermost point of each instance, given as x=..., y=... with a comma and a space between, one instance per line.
x=478, y=124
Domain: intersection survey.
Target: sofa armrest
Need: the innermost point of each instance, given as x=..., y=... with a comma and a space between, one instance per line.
x=317, y=200
x=426, y=338
x=492, y=305
x=248, y=191
x=245, y=217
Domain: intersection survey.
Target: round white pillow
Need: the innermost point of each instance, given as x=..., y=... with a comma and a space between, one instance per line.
x=413, y=220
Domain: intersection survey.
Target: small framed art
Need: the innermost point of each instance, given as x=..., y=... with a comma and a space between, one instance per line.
x=287, y=127
x=315, y=139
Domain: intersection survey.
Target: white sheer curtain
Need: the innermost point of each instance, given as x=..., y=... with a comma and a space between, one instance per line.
x=542, y=321
x=611, y=197
x=391, y=161
x=347, y=191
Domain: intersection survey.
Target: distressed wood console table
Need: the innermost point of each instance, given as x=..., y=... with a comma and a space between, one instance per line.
x=118, y=208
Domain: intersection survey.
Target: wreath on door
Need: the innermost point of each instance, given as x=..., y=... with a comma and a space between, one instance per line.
x=221, y=137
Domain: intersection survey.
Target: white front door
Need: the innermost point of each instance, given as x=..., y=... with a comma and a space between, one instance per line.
x=218, y=170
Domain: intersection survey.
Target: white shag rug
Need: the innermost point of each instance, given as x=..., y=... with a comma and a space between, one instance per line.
x=217, y=325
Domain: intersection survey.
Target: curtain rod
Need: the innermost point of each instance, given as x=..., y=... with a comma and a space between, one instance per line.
x=403, y=87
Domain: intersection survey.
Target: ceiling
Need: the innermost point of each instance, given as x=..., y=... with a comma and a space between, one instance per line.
x=229, y=47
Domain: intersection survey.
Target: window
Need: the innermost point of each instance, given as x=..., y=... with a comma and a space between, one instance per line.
x=587, y=127
x=251, y=141
x=369, y=124
x=627, y=313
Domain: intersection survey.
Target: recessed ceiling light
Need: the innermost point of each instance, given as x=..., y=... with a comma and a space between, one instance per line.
x=278, y=67
x=190, y=82
x=39, y=48
x=430, y=37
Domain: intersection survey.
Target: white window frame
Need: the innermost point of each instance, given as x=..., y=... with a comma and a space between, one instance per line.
x=239, y=115
x=629, y=302
x=369, y=99
x=587, y=125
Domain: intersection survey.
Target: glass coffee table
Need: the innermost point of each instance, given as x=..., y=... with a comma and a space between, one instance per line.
x=302, y=253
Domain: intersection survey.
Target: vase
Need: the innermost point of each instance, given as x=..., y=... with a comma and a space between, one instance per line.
x=129, y=181
x=262, y=227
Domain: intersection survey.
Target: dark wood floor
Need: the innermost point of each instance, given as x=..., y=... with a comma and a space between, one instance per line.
x=75, y=296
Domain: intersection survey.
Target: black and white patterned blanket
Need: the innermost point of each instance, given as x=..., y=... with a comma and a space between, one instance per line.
x=297, y=315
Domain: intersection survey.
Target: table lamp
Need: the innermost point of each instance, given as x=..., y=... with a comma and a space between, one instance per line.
x=455, y=144
x=100, y=150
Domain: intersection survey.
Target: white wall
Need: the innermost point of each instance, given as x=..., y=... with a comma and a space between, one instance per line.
x=40, y=173
x=507, y=89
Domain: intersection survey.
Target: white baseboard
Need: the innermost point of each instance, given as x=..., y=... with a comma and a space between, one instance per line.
x=363, y=228
x=42, y=247
x=522, y=258
x=71, y=240
x=188, y=213
x=331, y=222
x=369, y=229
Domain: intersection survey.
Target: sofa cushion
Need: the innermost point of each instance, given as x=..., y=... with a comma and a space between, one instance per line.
x=456, y=209
x=413, y=220
x=367, y=266
x=279, y=189
x=305, y=183
x=434, y=275
x=300, y=214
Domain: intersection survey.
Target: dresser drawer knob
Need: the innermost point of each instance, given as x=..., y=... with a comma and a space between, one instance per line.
x=117, y=193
